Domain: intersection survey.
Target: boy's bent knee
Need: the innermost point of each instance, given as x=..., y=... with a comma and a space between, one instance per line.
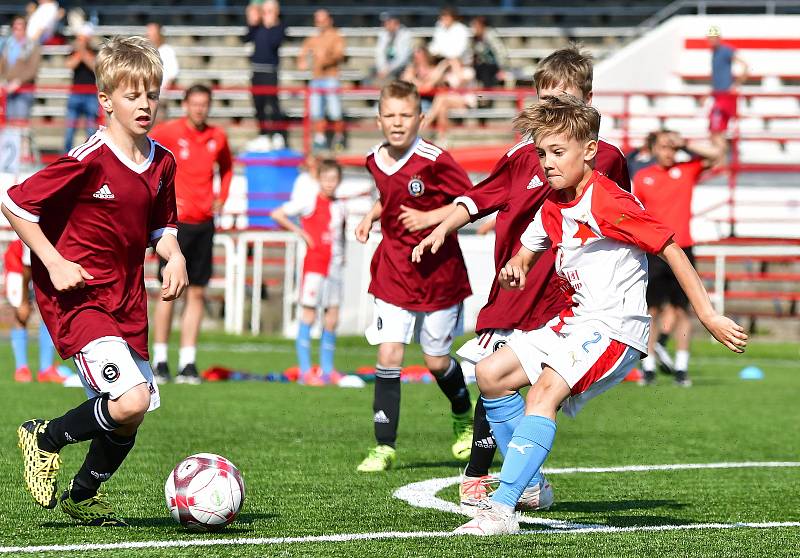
x=131, y=406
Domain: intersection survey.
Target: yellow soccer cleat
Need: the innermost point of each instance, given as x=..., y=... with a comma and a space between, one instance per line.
x=462, y=429
x=380, y=458
x=40, y=467
x=94, y=511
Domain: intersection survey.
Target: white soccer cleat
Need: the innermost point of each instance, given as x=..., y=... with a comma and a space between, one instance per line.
x=474, y=490
x=491, y=519
x=536, y=498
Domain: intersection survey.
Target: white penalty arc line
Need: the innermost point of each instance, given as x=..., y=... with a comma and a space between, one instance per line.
x=144, y=545
x=423, y=494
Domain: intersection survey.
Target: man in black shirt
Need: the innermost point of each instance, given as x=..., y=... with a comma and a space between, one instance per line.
x=82, y=101
x=266, y=32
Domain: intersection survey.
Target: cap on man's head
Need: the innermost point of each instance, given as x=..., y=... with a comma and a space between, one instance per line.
x=386, y=16
x=714, y=31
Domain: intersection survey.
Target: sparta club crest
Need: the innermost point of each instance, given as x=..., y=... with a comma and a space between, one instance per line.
x=416, y=187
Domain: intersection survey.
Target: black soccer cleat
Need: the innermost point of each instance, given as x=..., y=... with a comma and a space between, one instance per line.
x=161, y=375
x=188, y=375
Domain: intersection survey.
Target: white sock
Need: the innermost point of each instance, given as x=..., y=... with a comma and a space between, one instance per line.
x=649, y=363
x=186, y=355
x=159, y=353
x=682, y=360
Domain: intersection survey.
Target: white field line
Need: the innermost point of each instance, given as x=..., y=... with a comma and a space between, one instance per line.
x=423, y=494
x=144, y=545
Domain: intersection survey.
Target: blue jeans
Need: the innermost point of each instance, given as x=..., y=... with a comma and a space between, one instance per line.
x=18, y=107
x=330, y=100
x=80, y=105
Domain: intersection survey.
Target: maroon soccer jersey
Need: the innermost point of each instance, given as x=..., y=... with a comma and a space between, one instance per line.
x=516, y=189
x=100, y=210
x=425, y=178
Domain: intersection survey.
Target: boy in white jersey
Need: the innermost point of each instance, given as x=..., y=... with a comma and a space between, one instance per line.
x=322, y=222
x=600, y=234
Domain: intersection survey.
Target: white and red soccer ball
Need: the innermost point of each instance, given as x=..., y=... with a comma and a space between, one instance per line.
x=204, y=492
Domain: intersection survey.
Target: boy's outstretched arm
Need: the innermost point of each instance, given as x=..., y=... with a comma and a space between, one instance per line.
x=724, y=330
x=365, y=226
x=175, y=279
x=280, y=217
x=512, y=275
x=64, y=274
x=457, y=218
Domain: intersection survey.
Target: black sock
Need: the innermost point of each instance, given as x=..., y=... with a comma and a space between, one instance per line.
x=386, y=404
x=453, y=386
x=483, y=444
x=663, y=339
x=106, y=454
x=85, y=422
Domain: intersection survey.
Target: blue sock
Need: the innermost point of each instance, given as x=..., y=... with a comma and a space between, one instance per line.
x=303, y=346
x=46, y=348
x=504, y=414
x=527, y=450
x=327, y=346
x=19, y=344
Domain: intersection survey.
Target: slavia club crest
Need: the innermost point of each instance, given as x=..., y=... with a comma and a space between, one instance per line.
x=416, y=187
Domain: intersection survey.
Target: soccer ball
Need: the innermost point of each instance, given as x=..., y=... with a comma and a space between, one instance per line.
x=204, y=492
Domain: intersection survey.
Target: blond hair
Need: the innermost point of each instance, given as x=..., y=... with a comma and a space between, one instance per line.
x=564, y=114
x=127, y=60
x=566, y=67
x=399, y=89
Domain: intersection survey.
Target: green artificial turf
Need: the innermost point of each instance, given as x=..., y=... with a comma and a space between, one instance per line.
x=298, y=447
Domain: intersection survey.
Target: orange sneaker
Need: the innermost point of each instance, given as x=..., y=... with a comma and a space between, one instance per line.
x=23, y=374
x=50, y=375
x=311, y=378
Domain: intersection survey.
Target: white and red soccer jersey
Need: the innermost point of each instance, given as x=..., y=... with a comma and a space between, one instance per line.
x=16, y=257
x=101, y=210
x=324, y=220
x=600, y=240
x=426, y=178
x=516, y=189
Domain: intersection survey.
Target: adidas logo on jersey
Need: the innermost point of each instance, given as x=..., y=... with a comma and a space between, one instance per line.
x=381, y=418
x=535, y=182
x=104, y=193
x=487, y=443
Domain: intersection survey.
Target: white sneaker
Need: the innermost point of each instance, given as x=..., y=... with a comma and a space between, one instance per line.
x=491, y=519
x=474, y=490
x=535, y=498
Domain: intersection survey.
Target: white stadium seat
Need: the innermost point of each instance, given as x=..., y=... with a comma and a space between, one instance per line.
x=774, y=105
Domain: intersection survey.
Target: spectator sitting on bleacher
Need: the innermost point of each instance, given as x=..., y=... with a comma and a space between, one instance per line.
x=326, y=50
x=19, y=64
x=489, y=54
x=451, y=37
x=459, y=78
x=42, y=21
x=82, y=101
x=168, y=58
x=425, y=74
x=266, y=31
x=393, y=51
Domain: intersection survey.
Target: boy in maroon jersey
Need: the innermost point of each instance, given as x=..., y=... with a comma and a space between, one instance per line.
x=413, y=301
x=516, y=189
x=88, y=219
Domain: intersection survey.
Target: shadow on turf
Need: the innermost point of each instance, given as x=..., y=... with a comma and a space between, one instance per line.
x=453, y=464
x=241, y=525
x=619, y=505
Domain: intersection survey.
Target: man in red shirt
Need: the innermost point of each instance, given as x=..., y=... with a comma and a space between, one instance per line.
x=198, y=149
x=665, y=189
x=88, y=219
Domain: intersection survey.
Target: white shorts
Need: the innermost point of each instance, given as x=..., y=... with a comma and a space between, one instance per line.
x=434, y=331
x=14, y=284
x=489, y=340
x=585, y=356
x=108, y=366
x=320, y=290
